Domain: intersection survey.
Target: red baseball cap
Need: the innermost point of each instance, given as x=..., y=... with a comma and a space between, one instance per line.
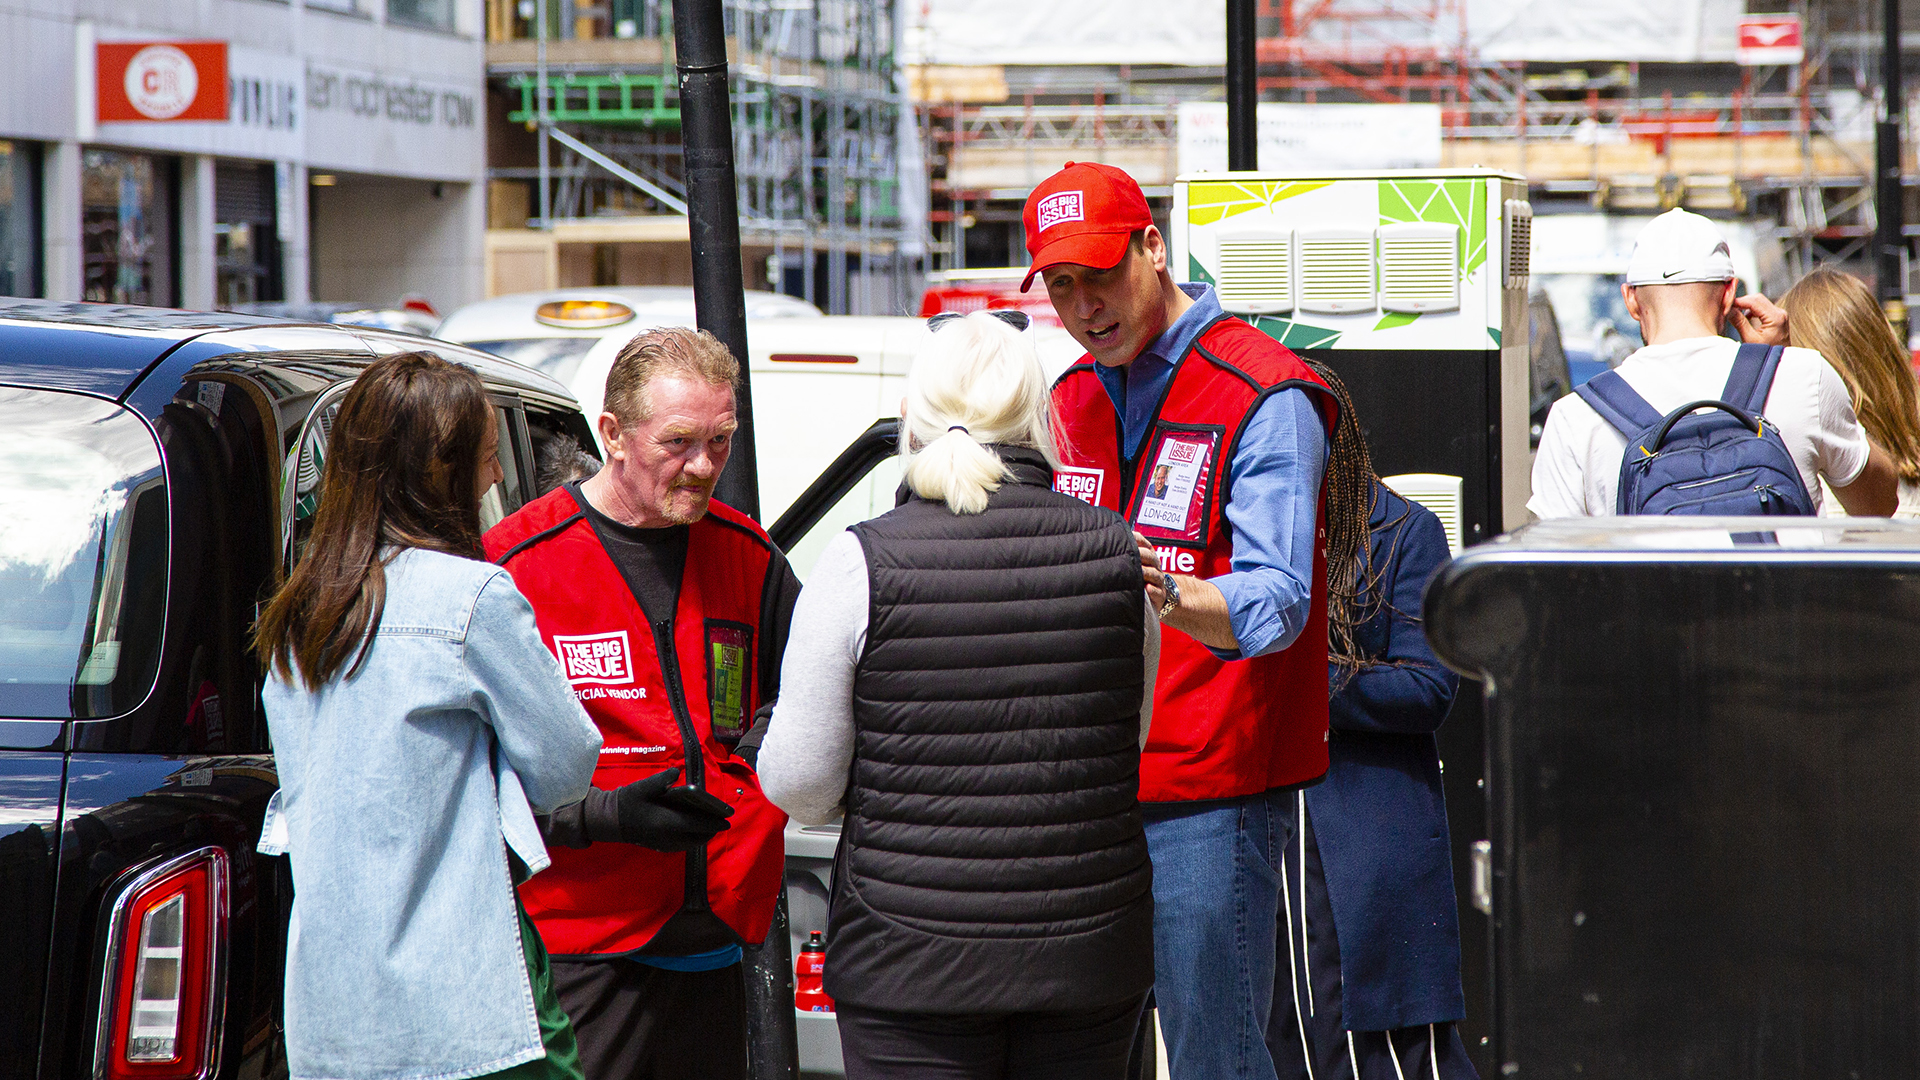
x=1083, y=214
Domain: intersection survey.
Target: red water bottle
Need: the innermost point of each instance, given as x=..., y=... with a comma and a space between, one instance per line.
x=808, y=970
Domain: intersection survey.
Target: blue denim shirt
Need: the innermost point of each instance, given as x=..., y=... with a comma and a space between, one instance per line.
x=401, y=790
x=1275, y=473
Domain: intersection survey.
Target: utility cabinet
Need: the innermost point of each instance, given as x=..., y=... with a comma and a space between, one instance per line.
x=1412, y=285
x=1705, y=843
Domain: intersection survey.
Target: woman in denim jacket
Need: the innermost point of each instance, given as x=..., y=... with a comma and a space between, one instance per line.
x=419, y=723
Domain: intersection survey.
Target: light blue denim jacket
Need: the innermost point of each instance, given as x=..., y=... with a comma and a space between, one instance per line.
x=401, y=789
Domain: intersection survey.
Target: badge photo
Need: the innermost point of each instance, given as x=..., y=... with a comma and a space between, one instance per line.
x=1176, y=480
x=729, y=677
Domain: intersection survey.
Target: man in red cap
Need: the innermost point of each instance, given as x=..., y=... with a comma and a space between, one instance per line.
x=1211, y=439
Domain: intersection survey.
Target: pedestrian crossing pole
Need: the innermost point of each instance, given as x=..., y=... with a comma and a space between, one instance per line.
x=713, y=224
x=1890, y=239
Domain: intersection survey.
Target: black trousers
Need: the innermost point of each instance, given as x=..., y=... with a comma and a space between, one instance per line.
x=636, y=1022
x=1080, y=1045
x=1307, y=1035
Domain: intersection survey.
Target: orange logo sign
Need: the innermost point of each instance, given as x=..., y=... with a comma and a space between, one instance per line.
x=161, y=80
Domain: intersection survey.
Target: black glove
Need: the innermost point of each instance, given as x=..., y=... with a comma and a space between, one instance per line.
x=654, y=814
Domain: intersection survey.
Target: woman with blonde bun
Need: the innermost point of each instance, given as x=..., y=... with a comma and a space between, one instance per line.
x=1835, y=314
x=969, y=680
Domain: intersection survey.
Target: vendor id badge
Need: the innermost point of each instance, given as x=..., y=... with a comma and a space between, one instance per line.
x=1171, y=501
x=729, y=673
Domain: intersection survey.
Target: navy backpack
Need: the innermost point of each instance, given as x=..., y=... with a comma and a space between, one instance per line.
x=1727, y=460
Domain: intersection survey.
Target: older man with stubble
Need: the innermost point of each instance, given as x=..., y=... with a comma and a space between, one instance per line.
x=669, y=613
x=1211, y=439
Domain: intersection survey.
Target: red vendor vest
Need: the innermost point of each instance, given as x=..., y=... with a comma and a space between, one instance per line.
x=1220, y=729
x=656, y=709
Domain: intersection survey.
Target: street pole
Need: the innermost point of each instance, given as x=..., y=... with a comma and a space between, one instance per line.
x=720, y=307
x=1243, y=89
x=1890, y=241
x=713, y=213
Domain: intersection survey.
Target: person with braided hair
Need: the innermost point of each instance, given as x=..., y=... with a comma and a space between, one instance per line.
x=1368, y=987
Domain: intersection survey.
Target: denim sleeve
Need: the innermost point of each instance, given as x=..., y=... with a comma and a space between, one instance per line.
x=551, y=742
x=1405, y=689
x=1274, y=512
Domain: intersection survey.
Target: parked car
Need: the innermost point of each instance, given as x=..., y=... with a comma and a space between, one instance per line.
x=972, y=290
x=412, y=315
x=1580, y=260
x=155, y=468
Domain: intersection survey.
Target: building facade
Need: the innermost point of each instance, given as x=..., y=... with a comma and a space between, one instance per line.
x=215, y=152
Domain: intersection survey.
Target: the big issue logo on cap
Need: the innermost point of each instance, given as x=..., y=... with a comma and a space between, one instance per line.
x=161, y=80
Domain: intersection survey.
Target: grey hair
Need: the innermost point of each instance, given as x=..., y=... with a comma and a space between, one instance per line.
x=977, y=381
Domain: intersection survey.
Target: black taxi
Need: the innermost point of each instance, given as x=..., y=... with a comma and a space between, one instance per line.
x=156, y=467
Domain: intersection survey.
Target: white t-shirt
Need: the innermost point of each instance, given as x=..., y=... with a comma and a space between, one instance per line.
x=1577, y=470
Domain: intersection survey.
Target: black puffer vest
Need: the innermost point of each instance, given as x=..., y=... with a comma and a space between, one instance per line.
x=992, y=858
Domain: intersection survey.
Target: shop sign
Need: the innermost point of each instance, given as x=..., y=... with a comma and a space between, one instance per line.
x=161, y=80
x=393, y=123
x=1301, y=136
x=1770, y=39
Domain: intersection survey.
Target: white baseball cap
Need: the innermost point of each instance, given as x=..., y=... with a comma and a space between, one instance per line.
x=1678, y=247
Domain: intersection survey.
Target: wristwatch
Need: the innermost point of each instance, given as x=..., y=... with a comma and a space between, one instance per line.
x=1172, y=589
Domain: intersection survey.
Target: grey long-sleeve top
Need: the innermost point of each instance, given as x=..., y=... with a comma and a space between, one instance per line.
x=809, y=746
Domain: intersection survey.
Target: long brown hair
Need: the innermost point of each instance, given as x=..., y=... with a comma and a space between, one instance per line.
x=1835, y=313
x=1351, y=578
x=402, y=465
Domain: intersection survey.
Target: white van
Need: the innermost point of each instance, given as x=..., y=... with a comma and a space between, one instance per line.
x=818, y=381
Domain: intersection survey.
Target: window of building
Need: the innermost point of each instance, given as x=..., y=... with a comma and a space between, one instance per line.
x=348, y=7
x=246, y=239
x=433, y=14
x=129, y=229
x=19, y=219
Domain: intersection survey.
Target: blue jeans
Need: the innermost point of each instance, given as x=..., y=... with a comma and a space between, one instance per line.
x=1216, y=900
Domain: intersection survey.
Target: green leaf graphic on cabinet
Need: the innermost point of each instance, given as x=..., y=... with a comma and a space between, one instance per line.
x=1394, y=319
x=1295, y=335
x=1196, y=272
x=1212, y=201
x=1447, y=202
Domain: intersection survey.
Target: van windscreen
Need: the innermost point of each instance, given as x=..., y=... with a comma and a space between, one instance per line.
x=557, y=358
x=83, y=556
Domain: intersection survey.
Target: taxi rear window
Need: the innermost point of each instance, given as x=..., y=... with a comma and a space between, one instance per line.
x=83, y=556
x=557, y=357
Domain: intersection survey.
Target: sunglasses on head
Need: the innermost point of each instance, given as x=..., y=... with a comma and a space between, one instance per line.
x=1013, y=317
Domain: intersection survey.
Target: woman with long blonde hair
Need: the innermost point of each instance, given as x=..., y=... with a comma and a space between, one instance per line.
x=1834, y=314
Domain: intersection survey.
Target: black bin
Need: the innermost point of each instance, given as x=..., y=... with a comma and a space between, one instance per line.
x=1703, y=787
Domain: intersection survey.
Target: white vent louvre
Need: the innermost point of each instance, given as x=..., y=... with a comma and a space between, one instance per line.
x=1419, y=267
x=1256, y=272
x=1336, y=270
x=1519, y=243
x=1441, y=494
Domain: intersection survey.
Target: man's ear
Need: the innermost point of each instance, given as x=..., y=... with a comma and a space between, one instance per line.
x=1156, y=248
x=1633, y=301
x=609, y=426
x=1727, y=296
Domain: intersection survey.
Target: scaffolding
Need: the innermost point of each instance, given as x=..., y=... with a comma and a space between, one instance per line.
x=817, y=117
x=1784, y=145
x=1376, y=50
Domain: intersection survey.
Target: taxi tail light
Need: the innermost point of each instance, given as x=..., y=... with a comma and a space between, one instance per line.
x=160, y=999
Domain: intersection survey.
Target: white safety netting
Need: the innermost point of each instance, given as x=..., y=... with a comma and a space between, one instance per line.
x=1193, y=32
